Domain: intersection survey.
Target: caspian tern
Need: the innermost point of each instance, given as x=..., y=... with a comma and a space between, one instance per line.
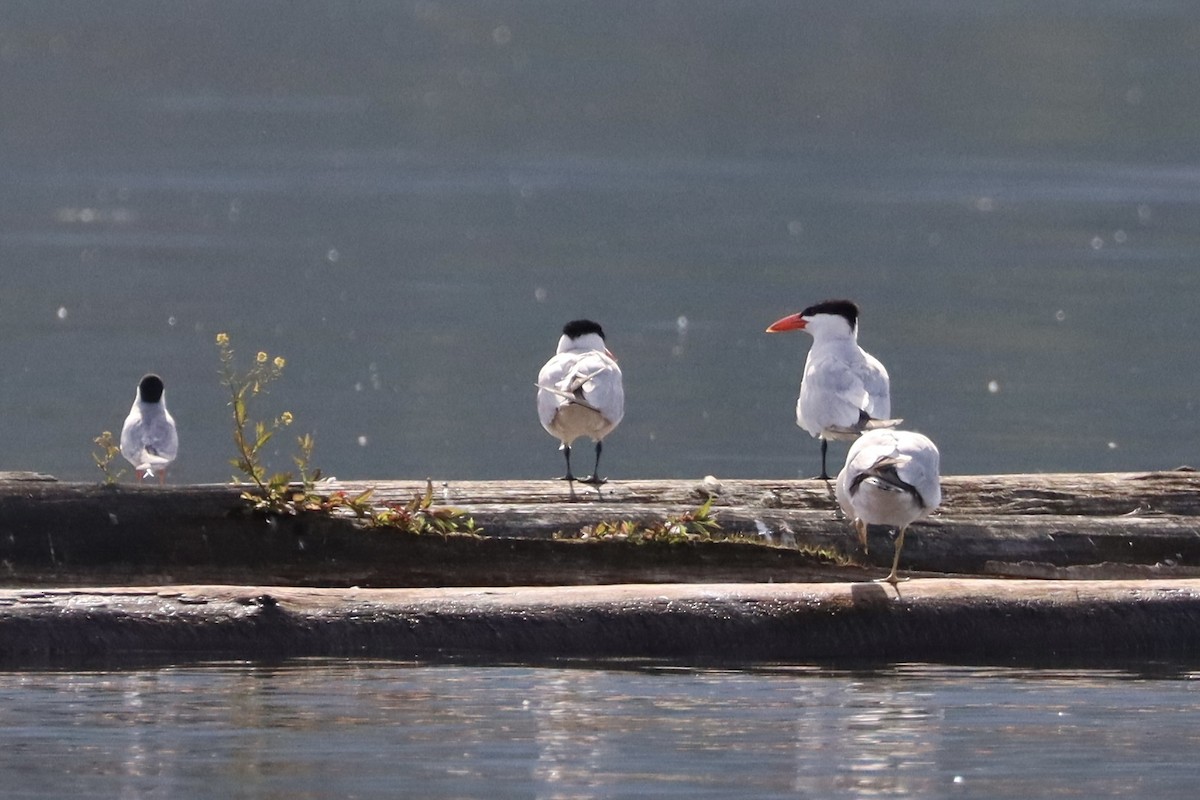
x=149, y=440
x=844, y=390
x=890, y=478
x=580, y=391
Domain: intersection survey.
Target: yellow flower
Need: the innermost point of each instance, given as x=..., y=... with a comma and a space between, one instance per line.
x=286, y=418
x=222, y=339
x=261, y=357
x=279, y=362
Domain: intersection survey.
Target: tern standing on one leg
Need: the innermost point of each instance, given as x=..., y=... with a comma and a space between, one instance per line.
x=149, y=440
x=844, y=390
x=890, y=478
x=580, y=391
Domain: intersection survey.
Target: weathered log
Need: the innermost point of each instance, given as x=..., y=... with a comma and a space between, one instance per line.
x=1058, y=526
x=1060, y=494
x=944, y=620
x=76, y=534
x=1138, y=524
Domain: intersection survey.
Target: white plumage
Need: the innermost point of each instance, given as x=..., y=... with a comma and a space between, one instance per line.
x=845, y=389
x=890, y=478
x=580, y=391
x=149, y=440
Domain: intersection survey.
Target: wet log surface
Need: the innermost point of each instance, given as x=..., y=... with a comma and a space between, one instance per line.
x=950, y=620
x=1050, y=526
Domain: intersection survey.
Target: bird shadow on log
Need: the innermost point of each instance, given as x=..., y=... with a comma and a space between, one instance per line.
x=870, y=594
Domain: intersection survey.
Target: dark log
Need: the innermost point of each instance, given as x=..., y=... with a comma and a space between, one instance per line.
x=782, y=595
x=947, y=620
x=1137, y=524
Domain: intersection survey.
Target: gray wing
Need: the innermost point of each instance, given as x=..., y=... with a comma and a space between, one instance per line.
x=875, y=383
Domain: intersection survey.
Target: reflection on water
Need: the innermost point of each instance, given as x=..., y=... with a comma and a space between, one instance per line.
x=377, y=729
x=570, y=744
x=885, y=745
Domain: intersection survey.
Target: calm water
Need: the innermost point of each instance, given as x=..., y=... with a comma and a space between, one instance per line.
x=408, y=199
x=337, y=730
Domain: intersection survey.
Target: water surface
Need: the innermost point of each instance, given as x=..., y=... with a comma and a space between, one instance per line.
x=408, y=200
x=378, y=729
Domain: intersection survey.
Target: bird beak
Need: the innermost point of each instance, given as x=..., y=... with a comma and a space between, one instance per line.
x=793, y=323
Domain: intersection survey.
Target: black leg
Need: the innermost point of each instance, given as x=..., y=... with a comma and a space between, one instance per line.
x=824, y=447
x=567, y=452
x=595, y=479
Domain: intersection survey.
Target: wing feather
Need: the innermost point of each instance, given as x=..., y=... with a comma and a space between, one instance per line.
x=591, y=379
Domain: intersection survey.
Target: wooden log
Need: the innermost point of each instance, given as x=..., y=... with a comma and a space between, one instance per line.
x=1060, y=494
x=76, y=534
x=1111, y=525
x=1049, y=525
x=1081, y=527
x=946, y=620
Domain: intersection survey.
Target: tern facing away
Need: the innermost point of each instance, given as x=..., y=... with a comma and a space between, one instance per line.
x=149, y=440
x=580, y=391
x=844, y=390
x=890, y=478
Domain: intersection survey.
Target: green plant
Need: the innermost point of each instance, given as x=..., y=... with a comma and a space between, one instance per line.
x=295, y=493
x=420, y=516
x=271, y=492
x=107, y=450
x=689, y=526
x=826, y=555
x=822, y=554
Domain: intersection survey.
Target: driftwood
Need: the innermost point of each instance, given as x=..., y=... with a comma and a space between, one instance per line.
x=288, y=586
x=1076, y=526
x=949, y=620
x=1060, y=494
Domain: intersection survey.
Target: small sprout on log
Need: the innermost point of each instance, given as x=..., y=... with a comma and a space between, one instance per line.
x=690, y=526
x=338, y=502
x=827, y=555
x=420, y=516
x=818, y=553
x=107, y=450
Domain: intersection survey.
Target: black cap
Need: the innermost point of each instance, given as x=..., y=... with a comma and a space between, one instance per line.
x=843, y=308
x=150, y=388
x=579, y=327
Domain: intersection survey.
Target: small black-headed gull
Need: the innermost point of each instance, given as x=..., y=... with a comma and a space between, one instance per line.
x=890, y=478
x=580, y=391
x=149, y=440
x=844, y=390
